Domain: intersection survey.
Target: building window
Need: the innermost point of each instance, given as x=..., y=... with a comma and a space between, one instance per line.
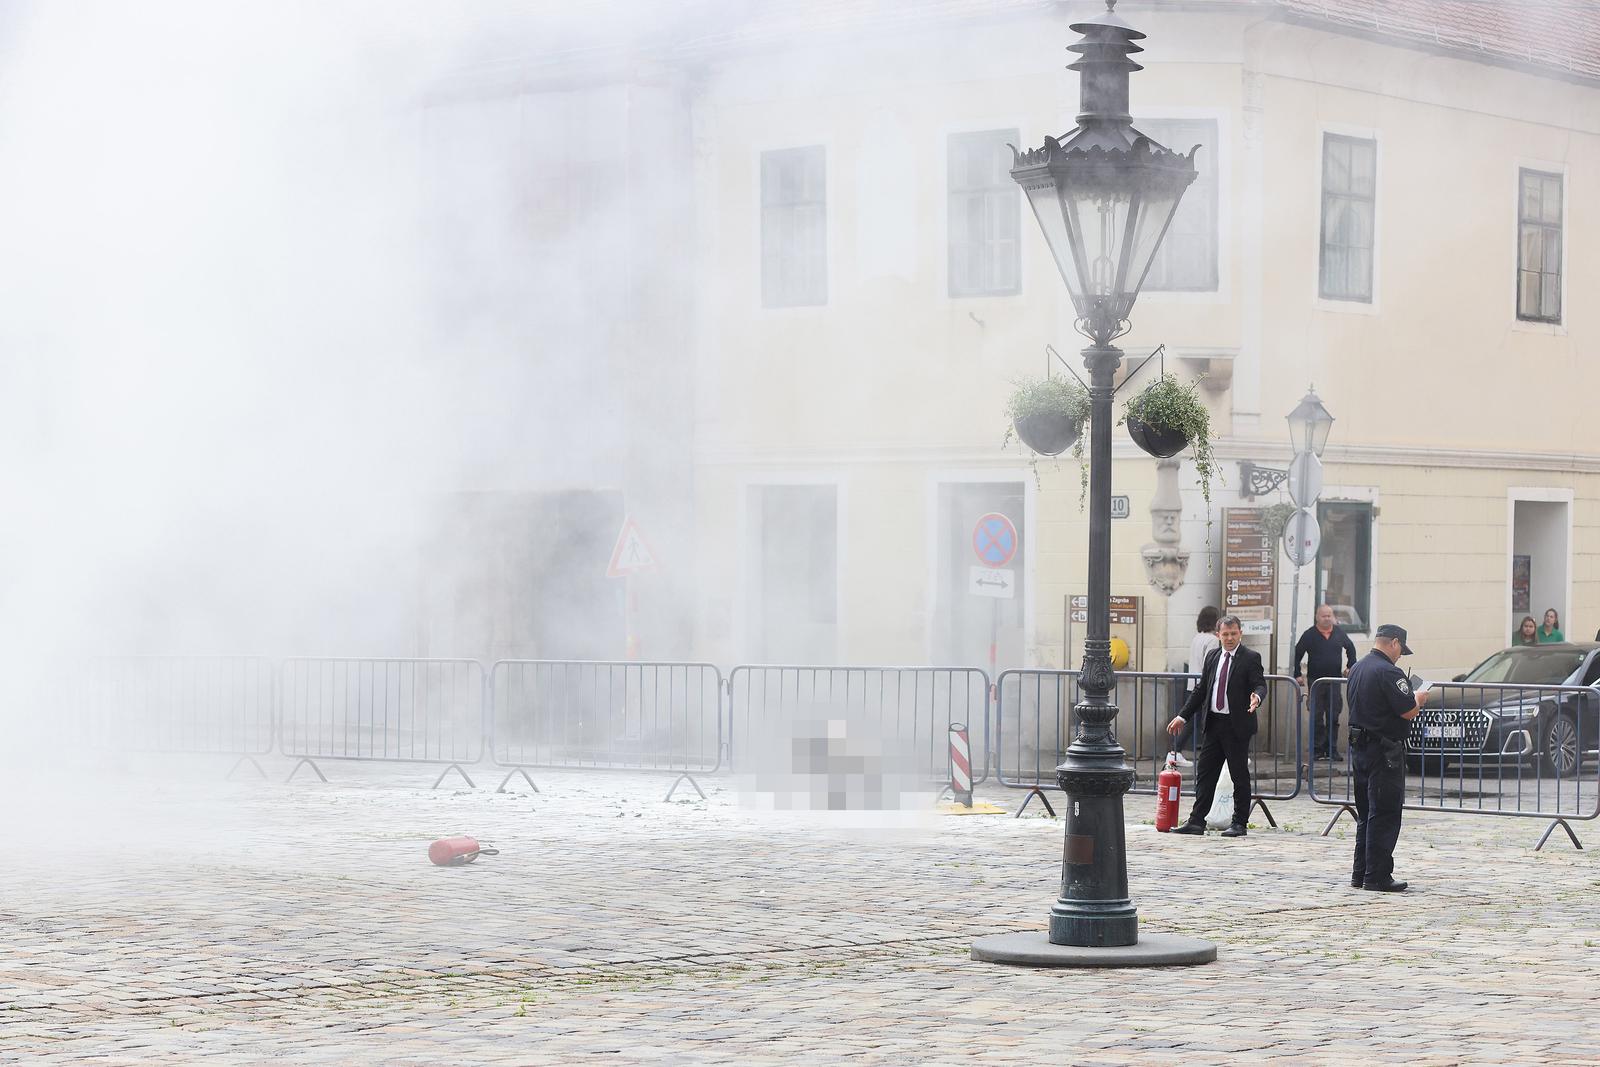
x=1186, y=261
x=1538, y=246
x=1349, y=199
x=985, y=215
x=794, y=233
x=1344, y=563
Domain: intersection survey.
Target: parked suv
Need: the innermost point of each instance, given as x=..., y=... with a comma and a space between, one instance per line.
x=1496, y=726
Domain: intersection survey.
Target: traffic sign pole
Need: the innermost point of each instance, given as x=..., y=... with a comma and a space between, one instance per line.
x=632, y=620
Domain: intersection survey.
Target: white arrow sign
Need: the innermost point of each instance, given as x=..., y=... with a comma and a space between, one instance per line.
x=997, y=582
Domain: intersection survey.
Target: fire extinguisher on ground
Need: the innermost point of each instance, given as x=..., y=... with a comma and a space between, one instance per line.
x=455, y=851
x=1168, y=785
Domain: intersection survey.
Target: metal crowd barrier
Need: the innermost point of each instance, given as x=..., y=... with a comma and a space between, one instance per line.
x=1034, y=723
x=393, y=710
x=1524, y=751
x=573, y=714
x=207, y=705
x=910, y=709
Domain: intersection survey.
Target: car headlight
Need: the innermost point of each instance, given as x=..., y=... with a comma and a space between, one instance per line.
x=1514, y=712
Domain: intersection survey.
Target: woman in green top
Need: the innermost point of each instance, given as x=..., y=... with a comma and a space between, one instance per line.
x=1550, y=632
x=1527, y=632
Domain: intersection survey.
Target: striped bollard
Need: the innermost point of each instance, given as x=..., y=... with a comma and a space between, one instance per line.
x=960, y=764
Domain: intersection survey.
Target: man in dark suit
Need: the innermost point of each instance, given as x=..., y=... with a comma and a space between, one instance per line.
x=1232, y=686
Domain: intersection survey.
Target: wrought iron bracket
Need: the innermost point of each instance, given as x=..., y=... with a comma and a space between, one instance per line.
x=1257, y=481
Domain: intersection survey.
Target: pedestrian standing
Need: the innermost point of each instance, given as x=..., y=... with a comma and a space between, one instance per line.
x=1527, y=632
x=1382, y=706
x=1204, y=643
x=1328, y=653
x=1550, y=633
x=1232, y=686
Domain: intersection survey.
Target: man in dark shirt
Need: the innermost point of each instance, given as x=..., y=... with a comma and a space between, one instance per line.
x=1382, y=706
x=1322, y=647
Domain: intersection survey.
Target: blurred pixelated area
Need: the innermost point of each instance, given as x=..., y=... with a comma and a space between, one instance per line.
x=836, y=763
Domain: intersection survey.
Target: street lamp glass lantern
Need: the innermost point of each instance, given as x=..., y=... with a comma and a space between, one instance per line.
x=1310, y=424
x=1105, y=193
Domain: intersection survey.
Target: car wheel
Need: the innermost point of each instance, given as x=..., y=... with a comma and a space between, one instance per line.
x=1560, y=749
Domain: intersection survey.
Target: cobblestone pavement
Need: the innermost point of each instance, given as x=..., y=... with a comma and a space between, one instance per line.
x=186, y=921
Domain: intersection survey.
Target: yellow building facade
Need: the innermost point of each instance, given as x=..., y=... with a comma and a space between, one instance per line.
x=1406, y=227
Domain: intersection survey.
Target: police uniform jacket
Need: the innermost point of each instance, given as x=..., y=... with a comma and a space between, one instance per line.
x=1379, y=694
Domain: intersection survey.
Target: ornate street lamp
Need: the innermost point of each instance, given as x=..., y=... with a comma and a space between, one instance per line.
x=1310, y=424
x=1104, y=196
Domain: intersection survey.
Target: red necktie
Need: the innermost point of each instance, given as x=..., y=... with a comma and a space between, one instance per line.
x=1222, y=682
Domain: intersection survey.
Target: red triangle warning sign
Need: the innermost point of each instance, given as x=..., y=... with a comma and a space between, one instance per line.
x=632, y=554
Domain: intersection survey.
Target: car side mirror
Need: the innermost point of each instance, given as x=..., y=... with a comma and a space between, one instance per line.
x=1459, y=678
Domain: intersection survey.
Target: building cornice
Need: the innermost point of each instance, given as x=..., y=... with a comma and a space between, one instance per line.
x=1226, y=449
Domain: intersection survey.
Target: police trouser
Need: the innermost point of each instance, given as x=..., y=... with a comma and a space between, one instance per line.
x=1380, y=788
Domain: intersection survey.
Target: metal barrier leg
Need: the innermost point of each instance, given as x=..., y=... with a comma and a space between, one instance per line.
x=516, y=771
x=242, y=761
x=457, y=768
x=1035, y=792
x=1328, y=829
x=305, y=761
x=679, y=781
x=1548, y=830
x=1262, y=804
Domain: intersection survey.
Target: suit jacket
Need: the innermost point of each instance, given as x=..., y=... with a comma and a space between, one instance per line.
x=1245, y=676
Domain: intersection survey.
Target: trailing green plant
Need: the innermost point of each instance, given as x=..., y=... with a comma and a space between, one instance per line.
x=1274, y=517
x=1046, y=396
x=1051, y=396
x=1167, y=402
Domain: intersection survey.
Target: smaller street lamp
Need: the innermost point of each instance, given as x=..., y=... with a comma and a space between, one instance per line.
x=1310, y=424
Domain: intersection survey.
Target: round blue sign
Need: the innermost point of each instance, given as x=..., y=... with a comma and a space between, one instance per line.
x=994, y=539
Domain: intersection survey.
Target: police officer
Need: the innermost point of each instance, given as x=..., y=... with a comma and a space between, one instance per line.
x=1382, y=706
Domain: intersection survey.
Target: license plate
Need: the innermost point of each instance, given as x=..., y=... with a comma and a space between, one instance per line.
x=1445, y=732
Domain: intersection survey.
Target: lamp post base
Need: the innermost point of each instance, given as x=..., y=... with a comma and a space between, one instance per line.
x=1033, y=949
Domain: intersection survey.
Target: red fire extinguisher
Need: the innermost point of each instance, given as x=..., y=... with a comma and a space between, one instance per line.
x=454, y=851
x=1168, y=783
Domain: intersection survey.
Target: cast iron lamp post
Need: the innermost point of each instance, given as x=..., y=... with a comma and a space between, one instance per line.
x=1103, y=196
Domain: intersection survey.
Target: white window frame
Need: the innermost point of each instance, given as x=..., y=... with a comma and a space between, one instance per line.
x=940, y=150
x=1017, y=203
x=1549, y=329
x=1223, y=293
x=1351, y=307
x=830, y=220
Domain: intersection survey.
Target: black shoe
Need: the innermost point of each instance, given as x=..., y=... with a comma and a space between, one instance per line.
x=1195, y=828
x=1236, y=830
x=1337, y=756
x=1387, y=886
x=1357, y=882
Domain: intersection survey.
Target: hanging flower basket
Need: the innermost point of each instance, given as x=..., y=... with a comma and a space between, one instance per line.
x=1048, y=414
x=1162, y=442
x=1048, y=433
x=1167, y=416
